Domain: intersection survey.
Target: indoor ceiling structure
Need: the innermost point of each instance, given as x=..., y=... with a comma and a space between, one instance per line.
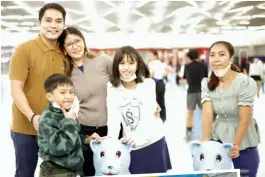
x=103, y=16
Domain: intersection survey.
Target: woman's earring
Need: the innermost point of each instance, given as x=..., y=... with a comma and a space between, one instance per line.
x=65, y=53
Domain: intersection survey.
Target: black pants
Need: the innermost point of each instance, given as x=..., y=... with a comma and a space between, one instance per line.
x=88, y=167
x=26, y=152
x=160, y=98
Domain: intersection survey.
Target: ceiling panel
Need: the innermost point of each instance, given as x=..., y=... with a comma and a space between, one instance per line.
x=161, y=17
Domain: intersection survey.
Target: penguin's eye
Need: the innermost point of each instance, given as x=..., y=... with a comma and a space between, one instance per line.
x=102, y=154
x=201, y=157
x=118, y=154
x=219, y=158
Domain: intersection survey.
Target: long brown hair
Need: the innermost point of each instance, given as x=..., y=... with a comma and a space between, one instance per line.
x=214, y=80
x=69, y=64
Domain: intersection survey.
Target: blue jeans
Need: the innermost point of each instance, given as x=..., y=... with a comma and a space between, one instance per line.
x=26, y=151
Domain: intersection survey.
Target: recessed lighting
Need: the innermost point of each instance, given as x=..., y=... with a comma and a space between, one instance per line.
x=241, y=9
x=247, y=17
x=227, y=27
x=258, y=16
x=222, y=23
x=27, y=23
x=244, y=23
x=240, y=27
x=262, y=6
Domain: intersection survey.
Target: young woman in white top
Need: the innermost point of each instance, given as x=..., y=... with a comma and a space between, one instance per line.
x=131, y=100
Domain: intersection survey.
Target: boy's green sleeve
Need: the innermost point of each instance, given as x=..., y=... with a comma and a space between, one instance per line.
x=58, y=137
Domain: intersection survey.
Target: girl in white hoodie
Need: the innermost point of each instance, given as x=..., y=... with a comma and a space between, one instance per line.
x=131, y=100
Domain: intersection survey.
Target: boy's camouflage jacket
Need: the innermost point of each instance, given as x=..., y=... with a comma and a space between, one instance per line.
x=59, y=140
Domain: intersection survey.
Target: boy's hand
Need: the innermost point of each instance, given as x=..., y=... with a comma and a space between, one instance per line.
x=70, y=114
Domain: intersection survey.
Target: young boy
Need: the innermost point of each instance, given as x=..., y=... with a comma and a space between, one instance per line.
x=60, y=144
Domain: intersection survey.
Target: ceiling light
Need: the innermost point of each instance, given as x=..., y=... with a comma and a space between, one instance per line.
x=208, y=5
x=77, y=12
x=258, y=16
x=159, y=11
x=12, y=23
x=124, y=10
x=12, y=7
x=191, y=2
x=176, y=29
x=27, y=23
x=109, y=3
x=227, y=31
x=214, y=30
x=17, y=17
x=85, y=27
x=17, y=28
x=242, y=9
x=137, y=12
x=191, y=31
x=201, y=10
x=227, y=27
x=223, y=2
x=247, y=17
x=36, y=28
x=222, y=23
x=93, y=16
x=256, y=27
x=219, y=15
x=142, y=25
x=261, y=6
x=244, y=23
x=26, y=7
x=240, y=27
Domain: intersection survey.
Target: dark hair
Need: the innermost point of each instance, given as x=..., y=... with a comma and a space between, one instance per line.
x=155, y=53
x=141, y=71
x=214, y=80
x=61, y=39
x=193, y=54
x=52, y=6
x=53, y=81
